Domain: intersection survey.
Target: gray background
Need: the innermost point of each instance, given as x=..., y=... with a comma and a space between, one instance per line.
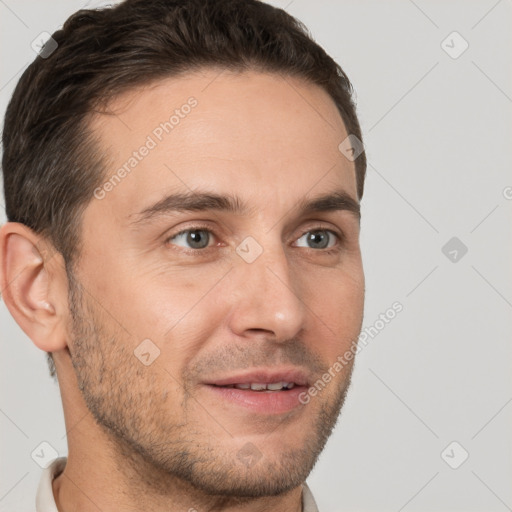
x=438, y=133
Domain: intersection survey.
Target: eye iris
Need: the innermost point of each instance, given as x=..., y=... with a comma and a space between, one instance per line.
x=194, y=239
x=319, y=237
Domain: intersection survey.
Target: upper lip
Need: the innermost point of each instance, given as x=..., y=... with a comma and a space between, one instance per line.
x=298, y=376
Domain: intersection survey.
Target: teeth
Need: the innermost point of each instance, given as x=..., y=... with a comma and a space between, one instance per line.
x=258, y=386
x=276, y=386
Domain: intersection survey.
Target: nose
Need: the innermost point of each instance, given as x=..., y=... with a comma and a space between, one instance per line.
x=267, y=298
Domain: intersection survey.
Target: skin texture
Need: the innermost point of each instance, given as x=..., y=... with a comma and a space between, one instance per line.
x=155, y=437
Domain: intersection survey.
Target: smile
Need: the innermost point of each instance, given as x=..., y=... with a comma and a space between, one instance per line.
x=257, y=386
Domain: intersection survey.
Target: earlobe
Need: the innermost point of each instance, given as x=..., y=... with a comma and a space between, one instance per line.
x=30, y=291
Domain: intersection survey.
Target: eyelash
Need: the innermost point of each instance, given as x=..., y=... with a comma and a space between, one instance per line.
x=202, y=227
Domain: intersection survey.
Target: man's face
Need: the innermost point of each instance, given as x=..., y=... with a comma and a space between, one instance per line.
x=271, y=293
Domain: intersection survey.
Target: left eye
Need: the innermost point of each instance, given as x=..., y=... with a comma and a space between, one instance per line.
x=319, y=239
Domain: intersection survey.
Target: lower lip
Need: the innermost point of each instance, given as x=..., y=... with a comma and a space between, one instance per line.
x=263, y=402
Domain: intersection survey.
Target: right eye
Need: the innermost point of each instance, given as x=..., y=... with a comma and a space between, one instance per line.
x=196, y=237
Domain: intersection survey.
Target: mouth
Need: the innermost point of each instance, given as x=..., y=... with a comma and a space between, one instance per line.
x=262, y=391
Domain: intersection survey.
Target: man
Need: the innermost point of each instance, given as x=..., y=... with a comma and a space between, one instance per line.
x=182, y=183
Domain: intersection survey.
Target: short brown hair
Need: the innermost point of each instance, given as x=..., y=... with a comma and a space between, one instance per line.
x=51, y=164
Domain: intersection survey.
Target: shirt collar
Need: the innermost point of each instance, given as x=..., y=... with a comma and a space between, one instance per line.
x=45, y=502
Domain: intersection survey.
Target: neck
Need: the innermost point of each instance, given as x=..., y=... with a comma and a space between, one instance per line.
x=103, y=475
x=91, y=484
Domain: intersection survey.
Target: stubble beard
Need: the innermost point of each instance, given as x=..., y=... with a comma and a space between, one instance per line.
x=129, y=403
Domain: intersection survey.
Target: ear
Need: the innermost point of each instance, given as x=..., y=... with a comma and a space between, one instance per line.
x=34, y=285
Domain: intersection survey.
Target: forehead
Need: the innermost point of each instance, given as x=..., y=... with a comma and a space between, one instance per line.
x=259, y=134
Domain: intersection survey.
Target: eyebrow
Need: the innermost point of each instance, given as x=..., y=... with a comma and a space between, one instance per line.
x=338, y=200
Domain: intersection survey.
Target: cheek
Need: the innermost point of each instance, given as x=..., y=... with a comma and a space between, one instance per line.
x=175, y=304
x=337, y=310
